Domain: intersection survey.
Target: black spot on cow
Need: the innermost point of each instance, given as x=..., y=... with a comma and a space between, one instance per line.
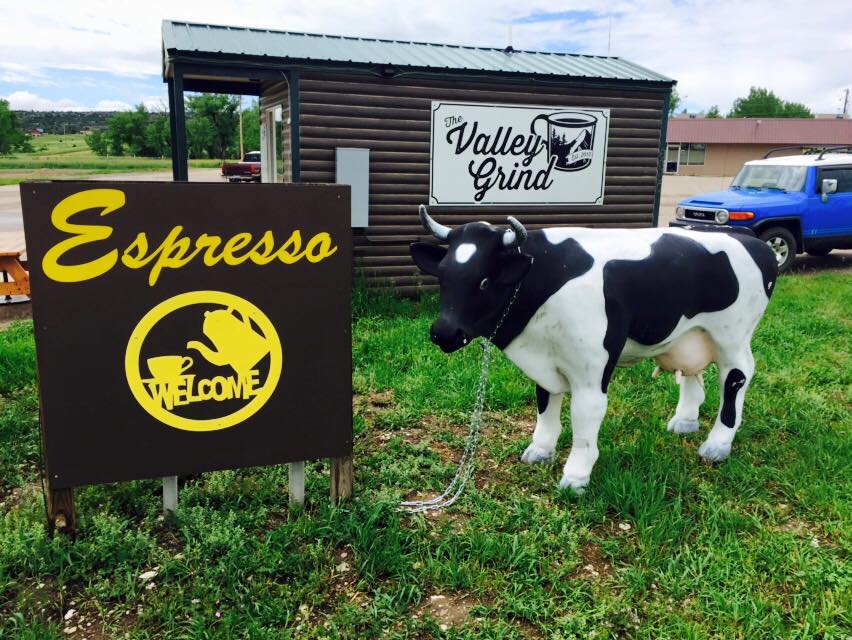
x=645, y=299
x=542, y=397
x=553, y=265
x=733, y=383
x=763, y=257
x=757, y=249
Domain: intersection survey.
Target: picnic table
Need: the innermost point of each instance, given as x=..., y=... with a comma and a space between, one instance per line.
x=13, y=260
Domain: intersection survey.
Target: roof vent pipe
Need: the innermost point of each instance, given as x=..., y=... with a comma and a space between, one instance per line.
x=509, y=48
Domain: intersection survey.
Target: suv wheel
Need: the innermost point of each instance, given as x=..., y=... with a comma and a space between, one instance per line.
x=783, y=245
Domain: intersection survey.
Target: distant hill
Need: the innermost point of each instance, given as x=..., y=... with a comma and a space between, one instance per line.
x=63, y=121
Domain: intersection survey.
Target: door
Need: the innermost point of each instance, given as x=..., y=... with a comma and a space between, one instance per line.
x=672, y=155
x=834, y=217
x=267, y=145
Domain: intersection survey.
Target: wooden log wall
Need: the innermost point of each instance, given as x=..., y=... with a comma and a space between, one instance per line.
x=391, y=117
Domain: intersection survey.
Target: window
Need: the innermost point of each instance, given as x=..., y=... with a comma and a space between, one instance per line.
x=771, y=176
x=672, y=151
x=692, y=153
x=843, y=175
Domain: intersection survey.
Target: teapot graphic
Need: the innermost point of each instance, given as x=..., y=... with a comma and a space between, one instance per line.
x=235, y=342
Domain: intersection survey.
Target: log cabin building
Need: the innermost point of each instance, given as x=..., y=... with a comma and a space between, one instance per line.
x=321, y=93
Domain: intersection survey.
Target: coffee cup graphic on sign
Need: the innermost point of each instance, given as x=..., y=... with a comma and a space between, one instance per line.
x=570, y=138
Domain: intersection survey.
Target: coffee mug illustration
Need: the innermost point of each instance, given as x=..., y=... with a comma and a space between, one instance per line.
x=168, y=369
x=570, y=138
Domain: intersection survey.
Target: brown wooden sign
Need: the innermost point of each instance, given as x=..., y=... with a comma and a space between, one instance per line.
x=189, y=327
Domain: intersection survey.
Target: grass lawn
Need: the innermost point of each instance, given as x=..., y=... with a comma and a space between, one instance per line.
x=662, y=545
x=61, y=157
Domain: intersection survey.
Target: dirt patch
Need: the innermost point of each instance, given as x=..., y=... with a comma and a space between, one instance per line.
x=380, y=398
x=372, y=402
x=86, y=628
x=341, y=587
x=528, y=631
x=803, y=529
x=444, y=450
x=448, y=610
x=593, y=565
x=17, y=496
x=76, y=618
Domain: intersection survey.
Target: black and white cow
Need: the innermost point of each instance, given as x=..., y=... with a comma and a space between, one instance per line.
x=589, y=300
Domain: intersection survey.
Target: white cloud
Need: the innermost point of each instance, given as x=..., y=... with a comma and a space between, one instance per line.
x=23, y=74
x=112, y=105
x=716, y=49
x=155, y=103
x=26, y=101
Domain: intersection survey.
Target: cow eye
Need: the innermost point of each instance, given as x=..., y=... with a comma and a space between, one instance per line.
x=484, y=284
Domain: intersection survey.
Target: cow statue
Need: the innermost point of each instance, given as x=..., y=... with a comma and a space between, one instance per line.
x=568, y=305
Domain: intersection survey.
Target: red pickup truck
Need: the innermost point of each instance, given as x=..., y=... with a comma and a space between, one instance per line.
x=246, y=171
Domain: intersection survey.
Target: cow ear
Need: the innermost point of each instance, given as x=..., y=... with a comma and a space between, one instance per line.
x=427, y=256
x=513, y=268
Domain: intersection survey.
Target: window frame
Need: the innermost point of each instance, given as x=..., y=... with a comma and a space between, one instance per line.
x=835, y=167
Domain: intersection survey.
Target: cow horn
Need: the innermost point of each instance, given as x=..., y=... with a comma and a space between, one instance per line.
x=516, y=236
x=438, y=230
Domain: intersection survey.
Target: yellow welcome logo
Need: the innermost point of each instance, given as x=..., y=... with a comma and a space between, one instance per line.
x=216, y=377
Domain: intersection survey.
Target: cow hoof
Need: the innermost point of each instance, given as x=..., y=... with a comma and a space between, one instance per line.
x=679, y=425
x=714, y=451
x=573, y=482
x=536, y=455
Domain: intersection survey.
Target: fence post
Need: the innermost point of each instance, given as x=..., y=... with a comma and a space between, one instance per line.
x=61, y=512
x=296, y=472
x=170, y=494
x=341, y=478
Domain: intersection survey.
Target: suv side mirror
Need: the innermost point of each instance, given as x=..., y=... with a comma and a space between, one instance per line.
x=829, y=185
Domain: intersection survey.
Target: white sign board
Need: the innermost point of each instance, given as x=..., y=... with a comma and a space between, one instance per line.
x=517, y=154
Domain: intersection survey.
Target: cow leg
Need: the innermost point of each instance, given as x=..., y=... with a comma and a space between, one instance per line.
x=736, y=368
x=542, y=449
x=588, y=406
x=685, y=419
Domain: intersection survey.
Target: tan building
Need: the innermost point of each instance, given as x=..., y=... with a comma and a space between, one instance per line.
x=720, y=146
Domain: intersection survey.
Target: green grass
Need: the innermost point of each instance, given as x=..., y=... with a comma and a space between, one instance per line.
x=662, y=545
x=56, y=156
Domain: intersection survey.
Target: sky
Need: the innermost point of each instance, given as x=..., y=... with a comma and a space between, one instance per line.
x=87, y=54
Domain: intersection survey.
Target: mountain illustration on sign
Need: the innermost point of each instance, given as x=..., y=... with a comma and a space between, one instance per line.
x=570, y=138
x=562, y=148
x=235, y=342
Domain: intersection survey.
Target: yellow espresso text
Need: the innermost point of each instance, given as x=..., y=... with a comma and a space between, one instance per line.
x=174, y=251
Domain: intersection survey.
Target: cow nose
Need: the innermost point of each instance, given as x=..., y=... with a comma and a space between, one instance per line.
x=447, y=336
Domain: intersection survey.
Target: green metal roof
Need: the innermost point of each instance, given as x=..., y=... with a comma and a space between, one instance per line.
x=287, y=46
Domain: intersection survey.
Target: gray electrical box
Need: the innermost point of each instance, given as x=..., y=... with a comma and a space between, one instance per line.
x=352, y=167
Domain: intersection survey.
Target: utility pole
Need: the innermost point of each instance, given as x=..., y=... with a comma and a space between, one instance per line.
x=609, y=37
x=242, y=151
x=846, y=104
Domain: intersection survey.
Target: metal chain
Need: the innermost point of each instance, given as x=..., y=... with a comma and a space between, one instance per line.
x=466, y=464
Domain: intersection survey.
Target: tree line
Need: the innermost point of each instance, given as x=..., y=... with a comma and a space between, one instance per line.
x=212, y=130
x=759, y=103
x=63, y=122
x=12, y=135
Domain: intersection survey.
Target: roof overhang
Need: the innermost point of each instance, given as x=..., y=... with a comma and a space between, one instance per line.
x=244, y=67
